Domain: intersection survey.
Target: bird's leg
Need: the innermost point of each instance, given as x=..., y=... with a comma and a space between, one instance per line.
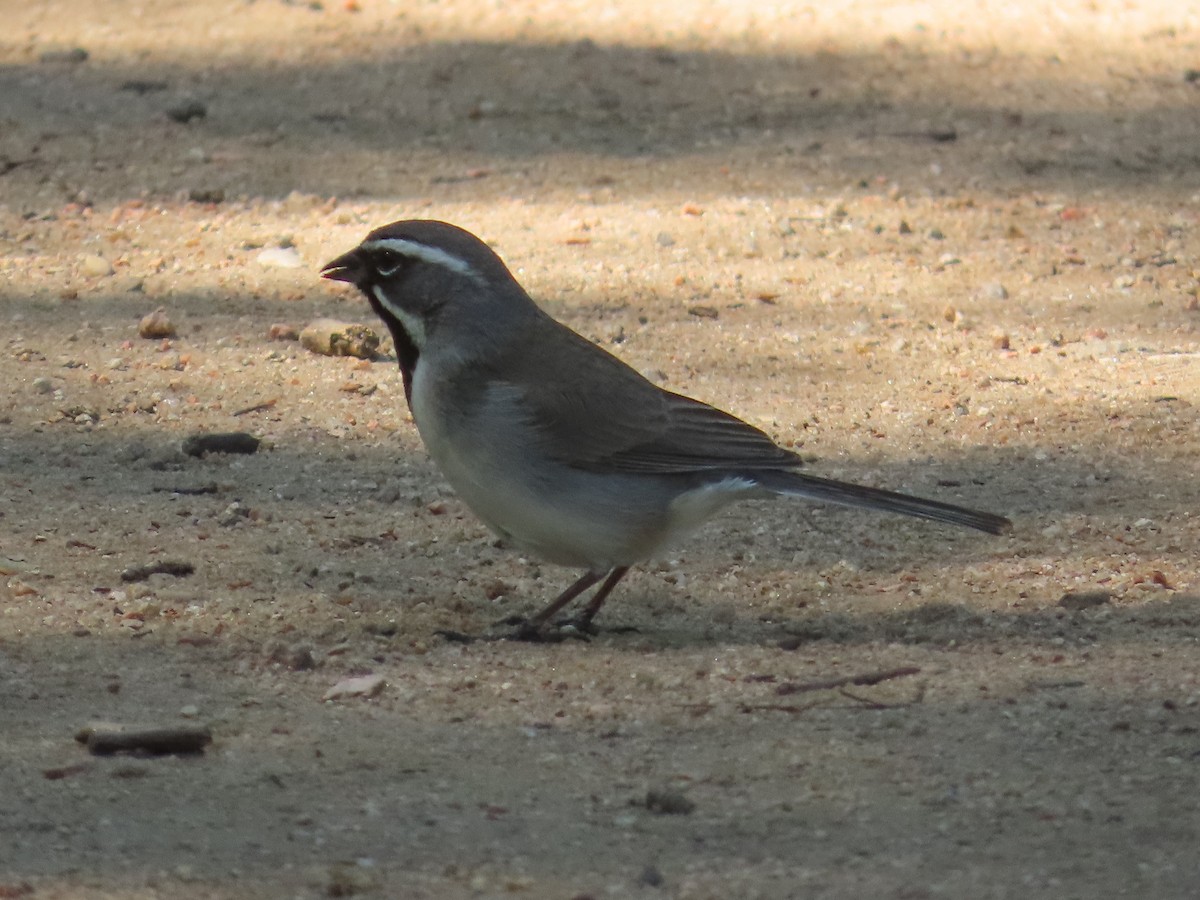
x=530, y=629
x=583, y=621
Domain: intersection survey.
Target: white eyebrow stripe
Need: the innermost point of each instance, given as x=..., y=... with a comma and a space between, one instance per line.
x=412, y=324
x=424, y=252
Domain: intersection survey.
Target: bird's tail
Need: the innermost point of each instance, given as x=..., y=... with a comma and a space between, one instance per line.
x=846, y=494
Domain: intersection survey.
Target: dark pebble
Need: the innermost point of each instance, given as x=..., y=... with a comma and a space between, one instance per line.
x=1084, y=599
x=668, y=803
x=220, y=442
x=186, y=110
x=74, y=55
x=165, y=567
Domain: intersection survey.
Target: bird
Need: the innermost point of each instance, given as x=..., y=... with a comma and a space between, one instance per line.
x=562, y=449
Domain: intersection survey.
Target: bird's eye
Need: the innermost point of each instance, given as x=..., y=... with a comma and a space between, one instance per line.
x=388, y=263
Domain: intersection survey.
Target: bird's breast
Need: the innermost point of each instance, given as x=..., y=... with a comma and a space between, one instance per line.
x=492, y=456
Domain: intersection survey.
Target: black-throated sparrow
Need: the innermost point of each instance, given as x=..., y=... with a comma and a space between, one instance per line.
x=557, y=445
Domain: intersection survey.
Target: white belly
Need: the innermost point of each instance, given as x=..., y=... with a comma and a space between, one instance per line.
x=560, y=514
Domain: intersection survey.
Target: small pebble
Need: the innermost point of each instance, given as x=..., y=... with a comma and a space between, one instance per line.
x=329, y=337
x=281, y=331
x=206, y=195
x=280, y=258
x=42, y=385
x=185, y=110
x=651, y=877
x=994, y=290
x=360, y=686
x=72, y=55
x=232, y=514
x=220, y=442
x=1076, y=600
x=668, y=803
x=156, y=325
x=93, y=265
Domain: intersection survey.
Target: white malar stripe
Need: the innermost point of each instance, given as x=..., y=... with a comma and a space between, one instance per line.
x=412, y=324
x=423, y=252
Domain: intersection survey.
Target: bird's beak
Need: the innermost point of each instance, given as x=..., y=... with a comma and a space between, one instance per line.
x=348, y=267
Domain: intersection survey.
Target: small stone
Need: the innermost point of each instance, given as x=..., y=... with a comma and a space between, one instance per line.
x=186, y=109
x=280, y=258
x=668, y=803
x=190, y=711
x=72, y=55
x=42, y=385
x=349, y=879
x=281, y=331
x=156, y=325
x=704, y=312
x=143, y=86
x=220, y=442
x=93, y=265
x=650, y=877
x=206, y=195
x=232, y=514
x=665, y=240
x=994, y=290
x=905, y=228
x=330, y=337
x=1077, y=600
x=359, y=686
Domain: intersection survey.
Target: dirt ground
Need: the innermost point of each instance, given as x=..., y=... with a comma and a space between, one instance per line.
x=940, y=247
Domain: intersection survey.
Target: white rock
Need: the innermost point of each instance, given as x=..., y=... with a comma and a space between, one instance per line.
x=94, y=265
x=359, y=686
x=280, y=258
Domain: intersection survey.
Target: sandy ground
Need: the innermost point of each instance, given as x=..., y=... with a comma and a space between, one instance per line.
x=948, y=248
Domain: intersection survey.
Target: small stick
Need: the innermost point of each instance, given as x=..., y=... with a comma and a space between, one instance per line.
x=210, y=488
x=776, y=707
x=152, y=741
x=166, y=567
x=257, y=407
x=869, y=678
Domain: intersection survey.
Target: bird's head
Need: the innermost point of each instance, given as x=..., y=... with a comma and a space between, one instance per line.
x=416, y=273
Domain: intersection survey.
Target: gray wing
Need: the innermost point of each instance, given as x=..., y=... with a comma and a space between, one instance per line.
x=594, y=412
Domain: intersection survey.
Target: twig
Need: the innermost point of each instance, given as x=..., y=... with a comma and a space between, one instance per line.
x=257, y=407
x=777, y=707
x=868, y=678
x=875, y=704
x=181, y=739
